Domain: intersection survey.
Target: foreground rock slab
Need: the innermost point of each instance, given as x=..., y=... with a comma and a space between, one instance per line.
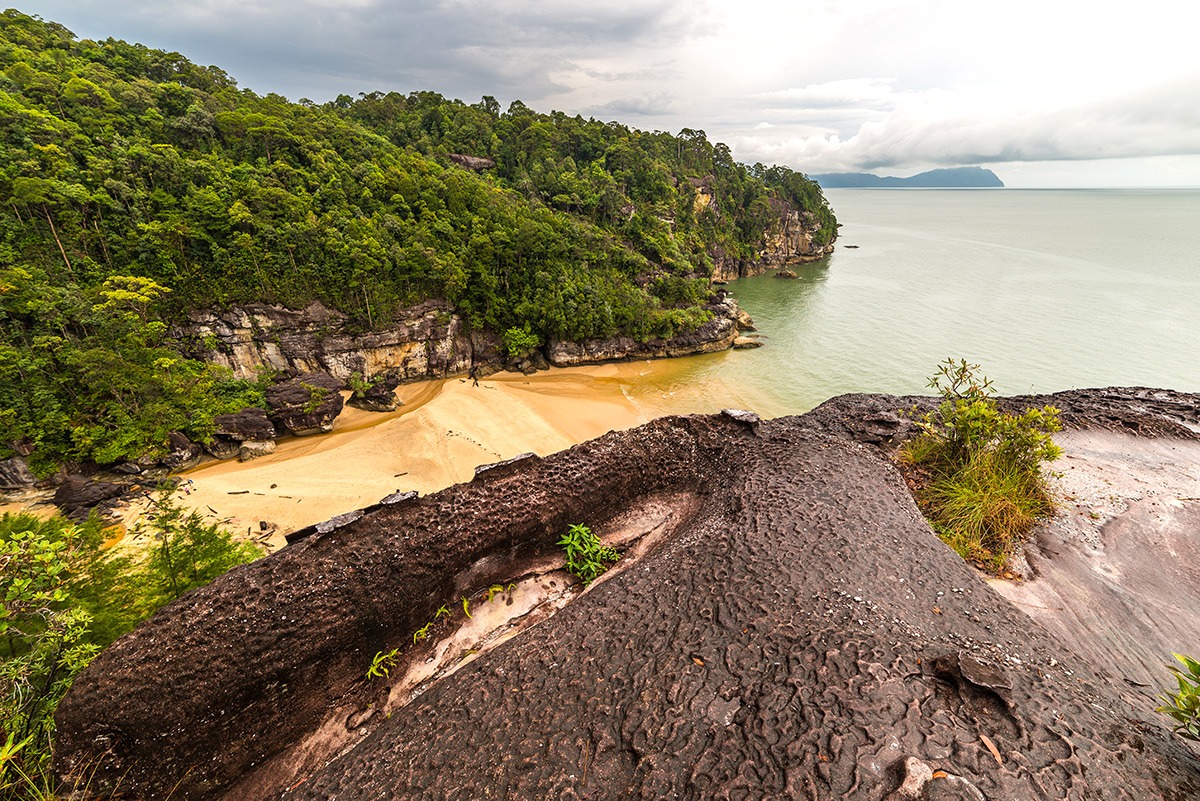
x=797, y=632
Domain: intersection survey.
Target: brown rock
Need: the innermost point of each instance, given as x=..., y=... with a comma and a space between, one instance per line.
x=379, y=397
x=252, y=449
x=780, y=640
x=250, y=423
x=78, y=496
x=15, y=474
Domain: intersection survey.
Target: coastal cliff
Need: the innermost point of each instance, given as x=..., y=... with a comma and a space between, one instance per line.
x=791, y=238
x=783, y=623
x=426, y=341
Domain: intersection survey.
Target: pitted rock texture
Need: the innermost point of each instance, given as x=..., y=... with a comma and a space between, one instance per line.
x=801, y=634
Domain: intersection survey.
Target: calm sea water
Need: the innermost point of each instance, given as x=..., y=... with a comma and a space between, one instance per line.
x=1047, y=289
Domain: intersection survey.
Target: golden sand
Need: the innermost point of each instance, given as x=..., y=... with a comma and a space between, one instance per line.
x=442, y=432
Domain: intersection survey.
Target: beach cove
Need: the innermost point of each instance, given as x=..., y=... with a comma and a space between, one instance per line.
x=443, y=431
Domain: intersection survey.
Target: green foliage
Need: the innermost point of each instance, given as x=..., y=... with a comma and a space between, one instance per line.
x=587, y=558
x=519, y=342
x=138, y=186
x=979, y=478
x=87, y=375
x=44, y=641
x=187, y=553
x=383, y=662
x=1183, y=706
x=64, y=596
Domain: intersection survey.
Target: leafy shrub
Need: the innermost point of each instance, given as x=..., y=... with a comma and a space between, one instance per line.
x=64, y=596
x=587, y=558
x=977, y=469
x=519, y=342
x=1184, y=706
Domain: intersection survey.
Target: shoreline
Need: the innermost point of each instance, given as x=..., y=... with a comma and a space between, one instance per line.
x=445, y=429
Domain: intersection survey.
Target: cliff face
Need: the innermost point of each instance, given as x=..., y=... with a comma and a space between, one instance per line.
x=715, y=335
x=428, y=341
x=790, y=628
x=789, y=240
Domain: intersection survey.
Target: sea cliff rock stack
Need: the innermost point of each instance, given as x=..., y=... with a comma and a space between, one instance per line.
x=787, y=627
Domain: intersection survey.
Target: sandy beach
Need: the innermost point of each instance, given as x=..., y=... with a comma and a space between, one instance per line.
x=442, y=432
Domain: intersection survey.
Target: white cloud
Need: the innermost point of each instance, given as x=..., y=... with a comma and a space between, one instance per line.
x=896, y=85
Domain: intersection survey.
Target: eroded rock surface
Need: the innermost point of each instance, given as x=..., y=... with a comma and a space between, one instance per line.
x=426, y=341
x=796, y=632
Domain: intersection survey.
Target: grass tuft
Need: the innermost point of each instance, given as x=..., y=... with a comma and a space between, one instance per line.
x=976, y=471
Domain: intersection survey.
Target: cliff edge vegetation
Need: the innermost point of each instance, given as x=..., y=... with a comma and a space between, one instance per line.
x=125, y=166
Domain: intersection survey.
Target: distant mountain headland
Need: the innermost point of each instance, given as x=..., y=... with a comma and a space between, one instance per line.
x=952, y=177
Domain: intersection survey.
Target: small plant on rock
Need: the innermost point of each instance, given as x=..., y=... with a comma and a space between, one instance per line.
x=382, y=663
x=586, y=556
x=977, y=469
x=1184, y=706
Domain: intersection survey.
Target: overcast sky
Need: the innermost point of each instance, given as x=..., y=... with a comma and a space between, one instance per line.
x=1045, y=92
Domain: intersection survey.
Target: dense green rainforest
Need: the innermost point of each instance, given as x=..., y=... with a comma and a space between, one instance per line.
x=137, y=186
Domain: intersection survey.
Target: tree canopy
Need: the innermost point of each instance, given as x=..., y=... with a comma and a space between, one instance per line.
x=138, y=186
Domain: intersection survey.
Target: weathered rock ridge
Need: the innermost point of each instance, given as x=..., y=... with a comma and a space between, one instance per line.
x=427, y=341
x=797, y=631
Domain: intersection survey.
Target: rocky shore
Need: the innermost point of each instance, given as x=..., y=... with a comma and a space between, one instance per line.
x=784, y=624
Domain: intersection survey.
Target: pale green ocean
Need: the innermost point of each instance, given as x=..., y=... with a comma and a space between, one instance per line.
x=1047, y=289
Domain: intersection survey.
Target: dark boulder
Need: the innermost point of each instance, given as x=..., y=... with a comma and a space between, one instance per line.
x=249, y=423
x=78, y=496
x=230, y=431
x=380, y=396
x=530, y=363
x=183, y=452
x=306, y=404
x=15, y=474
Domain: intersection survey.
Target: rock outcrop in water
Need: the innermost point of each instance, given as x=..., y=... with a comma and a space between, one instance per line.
x=786, y=625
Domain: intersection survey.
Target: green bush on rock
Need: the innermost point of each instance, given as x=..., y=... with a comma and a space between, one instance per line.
x=1184, y=706
x=587, y=558
x=977, y=470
